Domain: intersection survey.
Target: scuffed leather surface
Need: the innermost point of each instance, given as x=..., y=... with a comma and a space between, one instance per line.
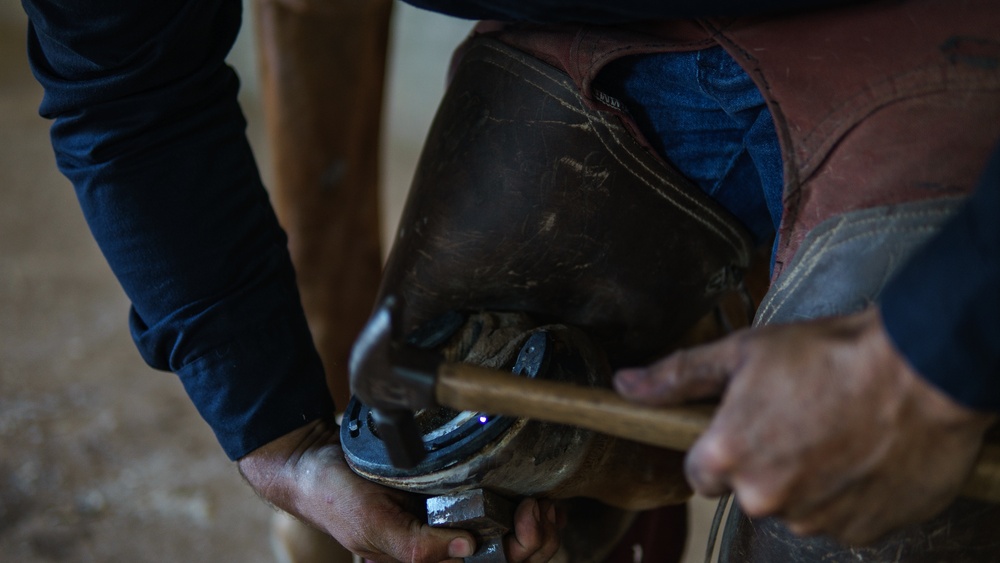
x=527, y=199
x=843, y=263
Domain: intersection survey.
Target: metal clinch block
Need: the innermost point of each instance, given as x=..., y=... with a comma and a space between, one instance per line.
x=487, y=515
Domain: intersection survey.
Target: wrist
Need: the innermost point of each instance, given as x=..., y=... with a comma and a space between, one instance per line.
x=934, y=402
x=271, y=469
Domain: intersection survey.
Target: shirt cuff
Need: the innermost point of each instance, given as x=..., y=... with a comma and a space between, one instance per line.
x=943, y=309
x=258, y=387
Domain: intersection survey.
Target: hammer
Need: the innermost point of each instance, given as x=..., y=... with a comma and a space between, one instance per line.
x=395, y=379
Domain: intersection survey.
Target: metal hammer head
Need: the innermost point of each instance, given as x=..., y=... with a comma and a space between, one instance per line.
x=394, y=379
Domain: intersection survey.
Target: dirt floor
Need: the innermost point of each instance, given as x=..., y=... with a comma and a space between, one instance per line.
x=101, y=458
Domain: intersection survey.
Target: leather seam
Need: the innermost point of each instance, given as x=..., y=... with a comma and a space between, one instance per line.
x=812, y=253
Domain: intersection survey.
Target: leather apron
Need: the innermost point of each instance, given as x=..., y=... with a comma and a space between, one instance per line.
x=886, y=114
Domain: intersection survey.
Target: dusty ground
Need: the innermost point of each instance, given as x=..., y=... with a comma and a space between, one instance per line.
x=101, y=458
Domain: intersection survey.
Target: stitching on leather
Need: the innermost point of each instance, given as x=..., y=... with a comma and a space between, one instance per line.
x=733, y=238
x=818, y=248
x=810, y=257
x=814, y=261
x=819, y=245
x=612, y=54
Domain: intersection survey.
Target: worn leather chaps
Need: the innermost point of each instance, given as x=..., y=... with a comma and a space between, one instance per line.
x=536, y=193
x=526, y=198
x=886, y=113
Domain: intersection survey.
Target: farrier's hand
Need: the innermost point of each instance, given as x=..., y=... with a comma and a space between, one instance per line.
x=822, y=424
x=305, y=474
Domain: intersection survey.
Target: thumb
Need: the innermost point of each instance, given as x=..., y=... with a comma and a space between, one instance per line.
x=409, y=539
x=686, y=375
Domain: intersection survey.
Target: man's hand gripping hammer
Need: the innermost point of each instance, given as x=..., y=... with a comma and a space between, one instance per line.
x=395, y=379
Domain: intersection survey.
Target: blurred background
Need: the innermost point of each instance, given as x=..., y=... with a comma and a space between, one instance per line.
x=101, y=458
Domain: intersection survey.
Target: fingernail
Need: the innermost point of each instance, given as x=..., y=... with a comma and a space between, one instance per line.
x=536, y=512
x=459, y=547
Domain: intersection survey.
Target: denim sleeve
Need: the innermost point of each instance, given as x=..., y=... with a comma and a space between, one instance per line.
x=943, y=309
x=148, y=130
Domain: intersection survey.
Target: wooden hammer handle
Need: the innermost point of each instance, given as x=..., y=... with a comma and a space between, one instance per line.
x=474, y=388
x=469, y=387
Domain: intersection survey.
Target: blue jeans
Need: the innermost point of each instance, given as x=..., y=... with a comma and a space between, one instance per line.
x=702, y=112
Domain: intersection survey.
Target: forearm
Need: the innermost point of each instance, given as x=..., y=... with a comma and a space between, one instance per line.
x=323, y=115
x=148, y=130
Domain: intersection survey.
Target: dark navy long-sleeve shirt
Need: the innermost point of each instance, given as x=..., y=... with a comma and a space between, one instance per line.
x=148, y=129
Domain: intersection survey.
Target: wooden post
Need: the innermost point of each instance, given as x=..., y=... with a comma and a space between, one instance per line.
x=322, y=73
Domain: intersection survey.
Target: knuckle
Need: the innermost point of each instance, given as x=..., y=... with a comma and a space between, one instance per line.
x=419, y=553
x=674, y=366
x=743, y=351
x=743, y=344
x=421, y=547
x=709, y=465
x=400, y=546
x=758, y=501
x=714, y=453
